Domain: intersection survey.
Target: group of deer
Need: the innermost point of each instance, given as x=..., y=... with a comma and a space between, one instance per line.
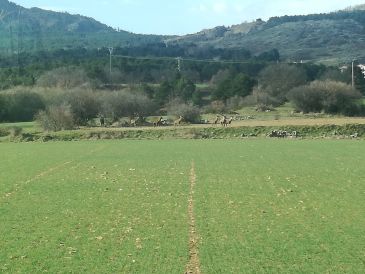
x=161, y=122
x=223, y=121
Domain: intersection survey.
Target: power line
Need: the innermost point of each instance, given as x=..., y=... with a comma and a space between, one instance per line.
x=111, y=49
x=180, y=59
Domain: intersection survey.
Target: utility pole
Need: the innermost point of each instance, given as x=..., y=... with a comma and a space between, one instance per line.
x=179, y=63
x=353, y=74
x=111, y=49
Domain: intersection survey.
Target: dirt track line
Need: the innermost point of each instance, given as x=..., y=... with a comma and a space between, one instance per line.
x=36, y=177
x=193, y=266
x=46, y=172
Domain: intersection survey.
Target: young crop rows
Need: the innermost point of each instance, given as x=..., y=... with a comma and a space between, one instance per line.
x=254, y=206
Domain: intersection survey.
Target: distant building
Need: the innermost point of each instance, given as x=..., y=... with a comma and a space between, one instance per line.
x=344, y=68
x=362, y=67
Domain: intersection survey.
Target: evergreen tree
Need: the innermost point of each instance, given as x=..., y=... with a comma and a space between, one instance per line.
x=359, y=80
x=164, y=92
x=234, y=85
x=184, y=89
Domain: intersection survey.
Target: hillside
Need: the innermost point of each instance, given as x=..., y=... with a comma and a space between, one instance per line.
x=357, y=7
x=329, y=38
x=36, y=29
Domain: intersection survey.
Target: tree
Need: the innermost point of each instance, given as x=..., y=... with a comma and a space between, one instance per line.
x=234, y=85
x=242, y=85
x=184, y=89
x=123, y=103
x=56, y=118
x=164, y=92
x=359, y=79
x=189, y=112
x=21, y=106
x=306, y=99
x=334, y=74
x=83, y=104
x=197, y=98
x=277, y=80
x=328, y=96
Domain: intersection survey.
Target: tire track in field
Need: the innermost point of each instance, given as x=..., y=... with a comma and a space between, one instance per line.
x=193, y=265
x=50, y=170
x=36, y=177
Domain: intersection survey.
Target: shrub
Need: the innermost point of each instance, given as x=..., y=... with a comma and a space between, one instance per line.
x=260, y=98
x=216, y=107
x=306, y=99
x=120, y=104
x=328, y=96
x=20, y=106
x=4, y=132
x=56, y=118
x=84, y=105
x=337, y=96
x=178, y=108
x=15, y=131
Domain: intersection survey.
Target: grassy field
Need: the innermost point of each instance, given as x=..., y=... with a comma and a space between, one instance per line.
x=259, y=206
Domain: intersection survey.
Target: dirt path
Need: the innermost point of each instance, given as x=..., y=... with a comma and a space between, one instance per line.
x=46, y=172
x=193, y=266
x=255, y=123
x=18, y=187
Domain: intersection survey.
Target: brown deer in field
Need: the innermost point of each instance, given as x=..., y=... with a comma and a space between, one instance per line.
x=178, y=121
x=158, y=123
x=225, y=122
x=229, y=122
x=134, y=122
x=216, y=120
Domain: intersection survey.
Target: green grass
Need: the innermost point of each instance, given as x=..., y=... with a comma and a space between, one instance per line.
x=261, y=206
x=20, y=124
x=26, y=126
x=281, y=207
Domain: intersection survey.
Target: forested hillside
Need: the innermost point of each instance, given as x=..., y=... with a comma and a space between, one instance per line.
x=332, y=38
x=24, y=30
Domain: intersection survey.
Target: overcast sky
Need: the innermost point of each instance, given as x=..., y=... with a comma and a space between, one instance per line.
x=184, y=16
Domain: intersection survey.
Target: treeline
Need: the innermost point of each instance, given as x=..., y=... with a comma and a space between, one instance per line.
x=76, y=91
x=81, y=104
x=310, y=88
x=69, y=89
x=329, y=91
x=25, y=69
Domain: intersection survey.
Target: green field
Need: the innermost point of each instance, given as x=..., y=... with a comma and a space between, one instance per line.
x=260, y=206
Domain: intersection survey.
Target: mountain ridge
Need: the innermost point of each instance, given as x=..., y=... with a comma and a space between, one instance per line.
x=330, y=38
x=35, y=29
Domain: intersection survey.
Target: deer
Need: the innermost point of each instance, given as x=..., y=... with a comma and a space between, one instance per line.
x=216, y=120
x=225, y=122
x=158, y=123
x=178, y=121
